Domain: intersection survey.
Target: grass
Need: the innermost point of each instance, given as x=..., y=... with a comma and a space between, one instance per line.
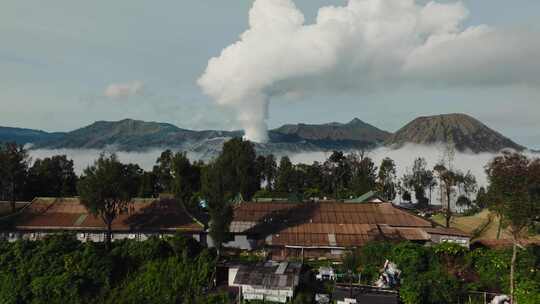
x=482, y=225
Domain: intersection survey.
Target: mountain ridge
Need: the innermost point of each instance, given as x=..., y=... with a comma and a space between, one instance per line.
x=137, y=135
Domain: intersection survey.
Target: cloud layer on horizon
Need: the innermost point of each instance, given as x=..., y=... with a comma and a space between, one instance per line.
x=403, y=157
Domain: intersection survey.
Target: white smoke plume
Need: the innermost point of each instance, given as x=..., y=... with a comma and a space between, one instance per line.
x=123, y=90
x=361, y=46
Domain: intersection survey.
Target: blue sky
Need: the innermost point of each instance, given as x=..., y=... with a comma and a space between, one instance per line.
x=57, y=59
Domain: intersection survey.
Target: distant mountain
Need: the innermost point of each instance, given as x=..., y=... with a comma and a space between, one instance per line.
x=26, y=136
x=355, y=130
x=131, y=135
x=466, y=132
x=135, y=135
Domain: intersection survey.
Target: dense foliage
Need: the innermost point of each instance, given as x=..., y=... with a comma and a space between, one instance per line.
x=445, y=273
x=63, y=270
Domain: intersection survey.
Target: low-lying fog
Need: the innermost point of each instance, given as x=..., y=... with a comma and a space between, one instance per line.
x=403, y=157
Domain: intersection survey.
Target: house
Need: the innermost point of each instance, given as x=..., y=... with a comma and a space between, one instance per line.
x=143, y=218
x=368, y=197
x=327, y=229
x=344, y=295
x=325, y=273
x=269, y=281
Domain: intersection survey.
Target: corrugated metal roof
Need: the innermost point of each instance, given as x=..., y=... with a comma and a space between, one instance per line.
x=267, y=276
x=446, y=231
x=330, y=224
x=142, y=214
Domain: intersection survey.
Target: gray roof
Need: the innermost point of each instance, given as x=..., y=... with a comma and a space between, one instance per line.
x=269, y=276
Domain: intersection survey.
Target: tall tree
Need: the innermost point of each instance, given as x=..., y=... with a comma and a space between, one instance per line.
x=259, y=168
x=364, y=173
x=13, y=170
x=163, y=171
x=237, y=166
x=219, y=204
x=52, y=177
x=106, y=189
x=467, y=184
x=185, y=178
x=386, y=179
x=149, y=185
x=270, y=171
x=419, y=180
x=514, y=184
x=447, y=183
x=285, y=176
x=481, y=198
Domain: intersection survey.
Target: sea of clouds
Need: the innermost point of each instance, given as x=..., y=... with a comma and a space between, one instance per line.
x=404, y=158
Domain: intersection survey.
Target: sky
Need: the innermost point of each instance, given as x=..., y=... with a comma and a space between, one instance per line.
x=65, y=64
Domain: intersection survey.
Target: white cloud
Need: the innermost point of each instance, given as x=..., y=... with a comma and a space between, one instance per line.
x=123, y=90
x=362, y=46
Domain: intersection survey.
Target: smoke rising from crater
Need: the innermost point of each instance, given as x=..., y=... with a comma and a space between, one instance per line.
x=359, y=47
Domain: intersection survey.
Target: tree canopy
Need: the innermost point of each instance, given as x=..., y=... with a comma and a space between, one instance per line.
x=106, y=189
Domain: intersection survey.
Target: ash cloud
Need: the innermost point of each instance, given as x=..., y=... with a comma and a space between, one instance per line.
x=362, y=46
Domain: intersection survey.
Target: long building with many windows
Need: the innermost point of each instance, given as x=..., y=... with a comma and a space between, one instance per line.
x=142, y=219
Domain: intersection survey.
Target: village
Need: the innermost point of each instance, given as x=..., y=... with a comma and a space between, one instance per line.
x=357, y=247
x=275, y=245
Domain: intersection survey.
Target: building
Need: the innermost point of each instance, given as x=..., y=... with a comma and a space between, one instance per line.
x=368, y=197
x=143, y=218
x=326, y=229
x=325, y=273
x=343, y=295
x=5, y=207
x=269, y=281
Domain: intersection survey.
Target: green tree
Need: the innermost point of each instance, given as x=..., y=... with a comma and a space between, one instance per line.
x=219, y=205
x=52, y=177
x=163, y=172
x=419, y=180
x=364, y=173
x=134, y=173
x=237, y=167
x=186, y=179
x=106, y=190
x=270, y=171
x=285, y=176
x=513, y=186
x=447, y=184
x=481, y=198
x=148, y=185
x=13, y=171
x=386, y=179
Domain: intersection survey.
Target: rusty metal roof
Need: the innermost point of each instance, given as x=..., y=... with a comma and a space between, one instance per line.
x=327, y=224
x=446, y=231
x=141, y=215
x=330, y=213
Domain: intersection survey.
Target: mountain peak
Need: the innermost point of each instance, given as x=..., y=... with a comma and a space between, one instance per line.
x=355, y=121
x=466, y=132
